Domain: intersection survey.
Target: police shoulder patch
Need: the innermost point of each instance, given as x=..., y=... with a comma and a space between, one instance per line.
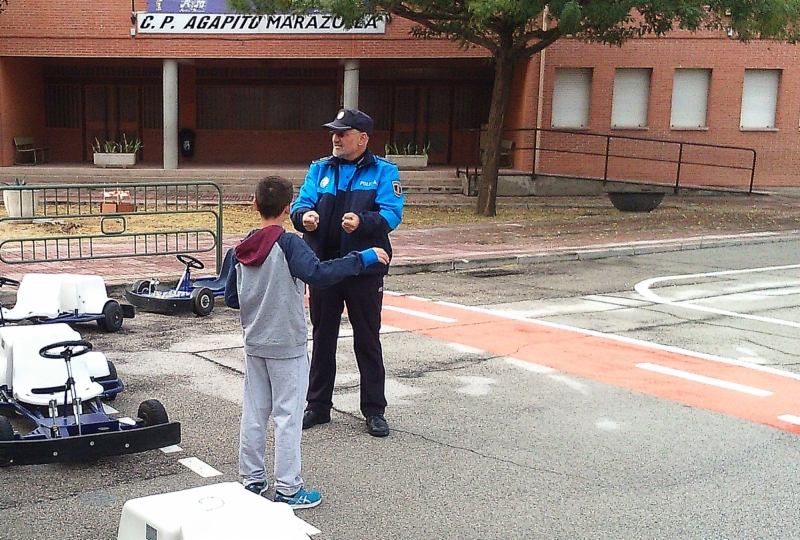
x=398, y=189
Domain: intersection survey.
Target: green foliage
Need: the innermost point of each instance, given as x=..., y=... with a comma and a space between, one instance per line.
x=410, y=149
x=112, y=147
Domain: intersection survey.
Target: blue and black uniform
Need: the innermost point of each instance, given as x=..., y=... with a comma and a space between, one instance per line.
x=370, y=188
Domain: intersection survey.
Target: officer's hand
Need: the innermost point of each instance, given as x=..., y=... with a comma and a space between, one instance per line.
x=310, y=220
x=382, y=255
x=350, y=222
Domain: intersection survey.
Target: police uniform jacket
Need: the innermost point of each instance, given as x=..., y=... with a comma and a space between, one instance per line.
x=369, y=187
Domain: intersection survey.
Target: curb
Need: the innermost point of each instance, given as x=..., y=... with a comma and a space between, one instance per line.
x=590, y=253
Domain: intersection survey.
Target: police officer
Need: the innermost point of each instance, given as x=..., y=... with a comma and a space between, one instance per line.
x=349, y=201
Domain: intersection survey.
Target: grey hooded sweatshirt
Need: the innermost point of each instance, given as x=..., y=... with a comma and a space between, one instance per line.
x=266, y=285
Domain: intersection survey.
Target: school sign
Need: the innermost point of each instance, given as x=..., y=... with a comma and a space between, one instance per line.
x=214, y=17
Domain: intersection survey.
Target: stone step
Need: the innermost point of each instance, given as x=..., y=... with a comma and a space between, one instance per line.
x=232, y=181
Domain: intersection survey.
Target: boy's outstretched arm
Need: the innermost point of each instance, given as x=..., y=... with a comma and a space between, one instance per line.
x=305, y=266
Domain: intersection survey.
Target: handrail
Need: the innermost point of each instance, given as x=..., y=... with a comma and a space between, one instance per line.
x=611, y=155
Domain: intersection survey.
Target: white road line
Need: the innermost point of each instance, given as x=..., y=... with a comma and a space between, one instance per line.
x=171, y=449
x=420, y=314
x=792, y=419
x=643, y=288
x=705, y=380
x=200, y=467
x=631, y=341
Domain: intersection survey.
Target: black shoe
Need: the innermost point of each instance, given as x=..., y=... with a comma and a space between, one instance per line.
x=312, y=418
x=377, y=426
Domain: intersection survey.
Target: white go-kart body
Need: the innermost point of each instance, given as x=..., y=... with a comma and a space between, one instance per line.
x=72, y=298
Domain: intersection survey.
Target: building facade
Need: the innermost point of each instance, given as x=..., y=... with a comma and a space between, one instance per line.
x=255, y=90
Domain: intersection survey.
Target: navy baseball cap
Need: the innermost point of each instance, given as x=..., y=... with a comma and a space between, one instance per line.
x=351, y=119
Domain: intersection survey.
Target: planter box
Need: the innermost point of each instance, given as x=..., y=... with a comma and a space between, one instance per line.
x=111, y=207
x=408, y=161
x=115, y=160
x=21, y=203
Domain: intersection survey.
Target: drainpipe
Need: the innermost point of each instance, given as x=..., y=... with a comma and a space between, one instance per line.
x=540, y=97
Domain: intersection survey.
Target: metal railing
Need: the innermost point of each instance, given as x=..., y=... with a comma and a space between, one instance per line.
x=622, y=158
x=137, y=227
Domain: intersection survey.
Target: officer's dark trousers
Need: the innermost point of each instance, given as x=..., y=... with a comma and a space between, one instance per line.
x=363, y=296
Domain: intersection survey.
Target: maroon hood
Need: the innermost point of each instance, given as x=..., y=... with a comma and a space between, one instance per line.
x=253, y=250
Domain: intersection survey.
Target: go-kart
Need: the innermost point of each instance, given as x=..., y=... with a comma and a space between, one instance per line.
x=195, y=296
x=55, y=394
x=67, y=298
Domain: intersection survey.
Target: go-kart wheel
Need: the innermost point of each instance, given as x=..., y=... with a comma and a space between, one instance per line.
x=6, y=429
x=141, y=286
x=112, y=316
x=190, y=261
x=152, y=413
x=202, y=301
x=8, y=281
x=71, y=349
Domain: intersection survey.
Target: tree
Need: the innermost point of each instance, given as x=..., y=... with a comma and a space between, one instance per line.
x=515, y=30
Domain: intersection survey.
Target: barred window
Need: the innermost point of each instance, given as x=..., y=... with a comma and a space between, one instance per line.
x=62, y=104
x=152, y=107
x=376, y=101
x=230, y=107
x=297, y=107
x=471, y=107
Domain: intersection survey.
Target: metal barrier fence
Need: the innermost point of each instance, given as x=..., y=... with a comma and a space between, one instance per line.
x=621, y=158
x=119, y=220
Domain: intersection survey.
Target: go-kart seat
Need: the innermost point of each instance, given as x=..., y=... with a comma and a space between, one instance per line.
x=30, y=372
x=39, y=295
x=217, y=283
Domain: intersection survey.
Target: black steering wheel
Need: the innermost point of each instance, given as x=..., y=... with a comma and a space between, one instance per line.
x=70, y=349
x=190, y=261
x=8, y=281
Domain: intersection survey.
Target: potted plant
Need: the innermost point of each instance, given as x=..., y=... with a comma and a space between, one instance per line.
x=20, y=202
x=116, y=154
x=113, y=202
x=410, y=156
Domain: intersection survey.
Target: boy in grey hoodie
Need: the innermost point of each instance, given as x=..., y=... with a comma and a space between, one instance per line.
x=267, y=285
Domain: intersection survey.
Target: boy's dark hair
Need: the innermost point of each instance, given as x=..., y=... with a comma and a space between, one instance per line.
x=273, y=193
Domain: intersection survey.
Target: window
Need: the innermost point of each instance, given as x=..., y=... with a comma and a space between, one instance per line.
x=152, y=107
x=230, y=107
x=631, y=97
x=759, y=98
x=301, y=107
x=376, y=101
x=62, y=105
x=690, y=98
x=471, y=106
x=571, y=95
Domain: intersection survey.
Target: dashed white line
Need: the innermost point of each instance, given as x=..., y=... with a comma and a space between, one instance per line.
x=200, y=467
x=705, y=380
x=792, y=419
x=420, y=314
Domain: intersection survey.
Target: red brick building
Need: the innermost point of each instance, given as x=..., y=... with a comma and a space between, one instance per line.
x=256, y=90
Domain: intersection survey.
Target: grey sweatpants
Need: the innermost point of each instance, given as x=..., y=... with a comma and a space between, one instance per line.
x=277, y=387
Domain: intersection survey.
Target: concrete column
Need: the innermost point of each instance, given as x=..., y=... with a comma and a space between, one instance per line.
x=170, y=86
x=351, y=84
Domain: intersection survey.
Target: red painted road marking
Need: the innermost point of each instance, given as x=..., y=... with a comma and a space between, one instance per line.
x=605, y=359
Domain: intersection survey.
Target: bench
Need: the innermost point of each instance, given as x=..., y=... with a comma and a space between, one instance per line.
x=27, y=153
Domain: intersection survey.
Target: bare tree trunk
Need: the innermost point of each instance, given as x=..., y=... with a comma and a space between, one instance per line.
x=501, y=94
